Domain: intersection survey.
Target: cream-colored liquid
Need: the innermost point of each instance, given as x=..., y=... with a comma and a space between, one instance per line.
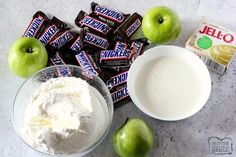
x=171, y=87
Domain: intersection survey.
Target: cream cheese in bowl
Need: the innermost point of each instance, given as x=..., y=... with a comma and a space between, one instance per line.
x=58, y=115
x=55, y=110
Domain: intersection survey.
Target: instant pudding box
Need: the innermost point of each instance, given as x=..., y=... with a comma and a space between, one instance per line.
x=216, y=45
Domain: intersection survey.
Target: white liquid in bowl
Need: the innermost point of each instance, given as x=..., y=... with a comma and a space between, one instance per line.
x=169, y=87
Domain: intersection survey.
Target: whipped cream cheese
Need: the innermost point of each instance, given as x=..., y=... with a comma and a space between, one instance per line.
x=54, y=112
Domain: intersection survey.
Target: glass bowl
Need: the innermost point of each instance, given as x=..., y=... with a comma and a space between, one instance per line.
x=96, y=127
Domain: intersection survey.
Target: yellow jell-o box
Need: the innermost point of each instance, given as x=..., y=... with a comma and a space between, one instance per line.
x=216, y=45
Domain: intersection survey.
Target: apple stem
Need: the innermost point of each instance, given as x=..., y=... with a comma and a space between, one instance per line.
x=160, y=20
x=124, y=123
x=29, y=50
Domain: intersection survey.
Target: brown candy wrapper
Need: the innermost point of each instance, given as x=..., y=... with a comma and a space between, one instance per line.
x=37, y=25
x=74, y=44
x=127, y=29
x=120, y=95
x=93, y=40
x=83, y=20
x=87, y=62
x=53, y=27
x=61, y=38
x=120, y=58
x=61, y=71
x=102, y=47
x=110, y=16
x=117, y=80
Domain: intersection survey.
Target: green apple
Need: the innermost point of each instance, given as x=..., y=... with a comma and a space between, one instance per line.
x=133, y=139
x=26, y=56
x=161, y=25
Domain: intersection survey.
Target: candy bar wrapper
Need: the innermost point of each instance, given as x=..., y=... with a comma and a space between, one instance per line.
x=130, y=44
x=74, y=44
x=137, y=47
x=110, y=16
x=68, y=55
x=61, y=71
x=53, y=27
x=120, y=96
x=57, y=59
x=127, y=28
x=107, y=73
x=87, y=62
x=120, y=69
x=61, y=39
x=101, y=48
x=120, y=45
x=117, y=80
x=37, y=25
x=94, y=41
x=83, y=20
x=120, y=58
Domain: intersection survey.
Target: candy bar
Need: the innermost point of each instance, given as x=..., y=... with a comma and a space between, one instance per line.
x=120, y=68
x=101, y=48
x=61, y=38
x=57, y=60
x=111, y=17
x=68, y=55
x=53, y=27
x=115, y=57
x=93, y=40
x=86, y=61
x=117, y=80
x=127, y=29
x=123, y=62
x=74, y=43
x=37, y=25
x=137, y=48
x=120, y=95
x=61, y=71
x=114, y=54
x=47, y=74
x=120, y=45
x=83, y=20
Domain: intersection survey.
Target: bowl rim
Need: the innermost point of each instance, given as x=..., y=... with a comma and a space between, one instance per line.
x=83, y=151
x=155, y=52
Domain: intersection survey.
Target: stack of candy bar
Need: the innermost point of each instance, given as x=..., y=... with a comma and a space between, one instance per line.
x=102, y=46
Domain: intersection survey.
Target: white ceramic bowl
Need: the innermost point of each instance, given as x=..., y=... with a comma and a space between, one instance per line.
x=154, y=54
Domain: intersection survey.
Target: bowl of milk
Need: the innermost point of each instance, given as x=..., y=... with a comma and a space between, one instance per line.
x=169, y=83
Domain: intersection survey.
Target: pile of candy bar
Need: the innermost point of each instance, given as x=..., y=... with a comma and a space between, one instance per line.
x=102, y=45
